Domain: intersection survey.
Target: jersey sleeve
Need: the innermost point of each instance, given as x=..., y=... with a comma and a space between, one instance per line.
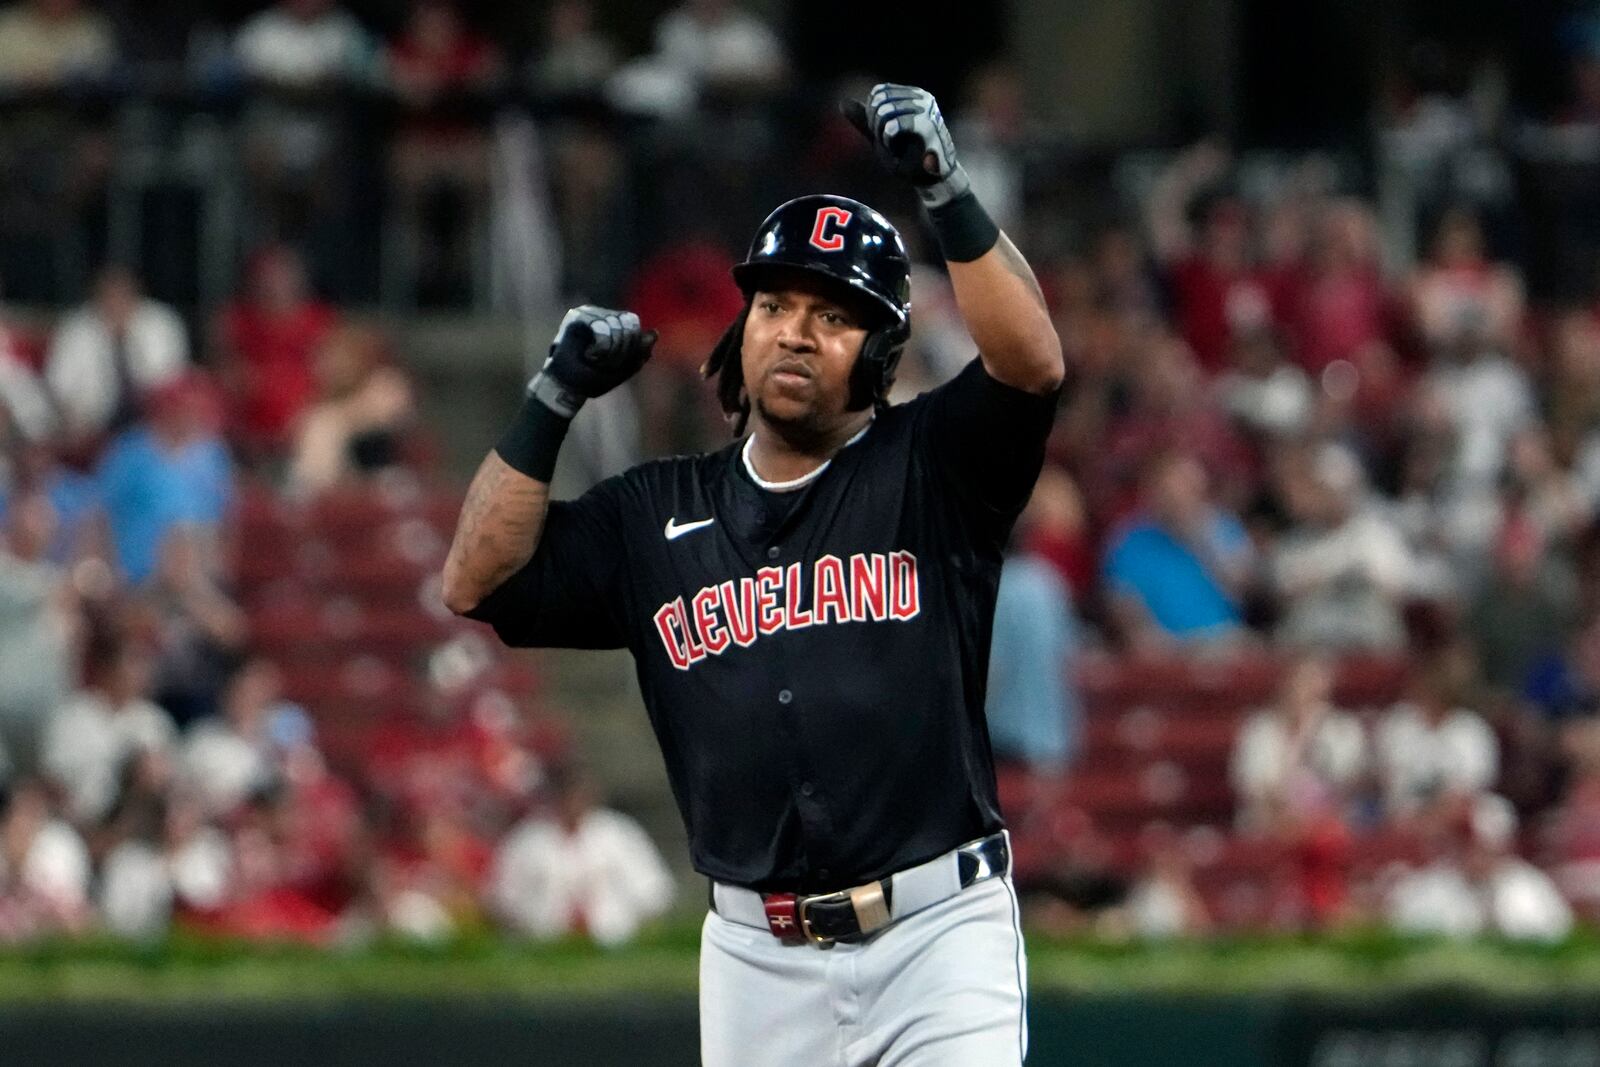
x=987, y=438
x=567, y=596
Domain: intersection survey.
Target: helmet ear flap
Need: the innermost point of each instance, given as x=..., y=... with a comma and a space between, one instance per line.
x=873, y=373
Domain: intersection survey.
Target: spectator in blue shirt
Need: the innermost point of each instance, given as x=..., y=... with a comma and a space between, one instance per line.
x=1033, y=708
x=1564, y=684
x=1176, y=571
x=168, y=471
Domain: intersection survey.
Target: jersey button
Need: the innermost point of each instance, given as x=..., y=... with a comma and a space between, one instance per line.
x=784, y=696
x=806, y=789
x=772, y=553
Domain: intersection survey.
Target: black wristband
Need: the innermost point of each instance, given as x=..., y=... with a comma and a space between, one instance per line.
x=531, y=442
x=964, y=229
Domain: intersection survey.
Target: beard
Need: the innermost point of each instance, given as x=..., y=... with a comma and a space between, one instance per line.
x=801, y=429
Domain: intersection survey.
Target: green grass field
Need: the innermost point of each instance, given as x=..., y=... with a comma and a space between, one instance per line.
x=664, y=963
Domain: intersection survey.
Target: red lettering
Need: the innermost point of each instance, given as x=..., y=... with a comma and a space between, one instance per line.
x=769, y=616
x=829, y=596
x=741, y=615
x=905, y=598
x=711, y=628
x=672, y=638
x=697, y=648
x=870, y=587
x=867, y=598
x=793, y=617
x=828, y=217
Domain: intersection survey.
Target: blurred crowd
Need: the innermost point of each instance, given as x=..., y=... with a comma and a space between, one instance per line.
x=398, y=157
x=1397, y=816
x=1315, y=422
x=1271, y=440
x=155, y=773
x=1308, y=417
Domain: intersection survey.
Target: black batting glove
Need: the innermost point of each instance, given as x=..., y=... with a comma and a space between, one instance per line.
x=910, y=138
x=594, y=351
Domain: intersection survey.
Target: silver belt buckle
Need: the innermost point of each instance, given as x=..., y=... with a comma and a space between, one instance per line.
x=805, y=923
x=867, y=901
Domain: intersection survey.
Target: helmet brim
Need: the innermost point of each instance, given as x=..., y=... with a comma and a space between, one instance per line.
x=752, y=277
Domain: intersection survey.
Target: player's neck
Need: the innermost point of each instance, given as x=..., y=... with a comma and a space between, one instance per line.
x=783, y=457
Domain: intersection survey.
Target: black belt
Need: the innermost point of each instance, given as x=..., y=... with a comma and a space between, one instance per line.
x=852, y=915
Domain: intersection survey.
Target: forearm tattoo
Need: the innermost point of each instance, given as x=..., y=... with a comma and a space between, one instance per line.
x=500, y=524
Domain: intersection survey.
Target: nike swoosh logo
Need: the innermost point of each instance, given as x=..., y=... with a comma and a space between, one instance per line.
x=675, y=531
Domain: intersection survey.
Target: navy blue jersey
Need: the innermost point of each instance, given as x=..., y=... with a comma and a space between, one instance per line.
x=813, y=662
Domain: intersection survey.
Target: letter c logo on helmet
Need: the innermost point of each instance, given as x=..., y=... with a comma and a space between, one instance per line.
x=838, y=238
x=827, y=217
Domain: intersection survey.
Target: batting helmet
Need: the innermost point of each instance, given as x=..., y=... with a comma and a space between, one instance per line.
x=838, y=238
x=845, y=240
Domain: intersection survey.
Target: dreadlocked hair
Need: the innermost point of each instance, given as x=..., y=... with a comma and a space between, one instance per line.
x=726, y=365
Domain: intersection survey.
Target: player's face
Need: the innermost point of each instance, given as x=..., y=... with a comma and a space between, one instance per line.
x=800, y=345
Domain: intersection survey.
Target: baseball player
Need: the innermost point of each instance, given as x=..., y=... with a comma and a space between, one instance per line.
x=809, y=612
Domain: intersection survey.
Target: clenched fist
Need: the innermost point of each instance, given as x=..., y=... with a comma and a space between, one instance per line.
x=910, y=138
x=595, y=350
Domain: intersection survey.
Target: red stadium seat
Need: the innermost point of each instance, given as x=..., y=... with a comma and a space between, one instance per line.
x=29, y=346
x=1370, y=681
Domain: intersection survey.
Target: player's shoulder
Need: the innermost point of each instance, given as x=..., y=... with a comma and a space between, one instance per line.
x=674, y=474
x=910, y=410
x=905, y=413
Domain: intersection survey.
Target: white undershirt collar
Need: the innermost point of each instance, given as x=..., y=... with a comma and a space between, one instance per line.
x=793, y=483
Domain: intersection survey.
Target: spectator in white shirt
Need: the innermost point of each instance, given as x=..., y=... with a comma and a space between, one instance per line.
x=1164, y=902
x=1300, y=756
x=297, y=148
x=91, y=738
x=105, y=356
x=1342, y=569
x=27, y=414
x=1480, y=885
x=39, y=623
x=44, y=869
x=304, y=44
x=1488, y=398
x=172, y=861
x=1261, y=389
x=714, y=43
x=704, y=46
x=1432, y=753
x=1461, y=298
x=231, y=757
x=581, y=869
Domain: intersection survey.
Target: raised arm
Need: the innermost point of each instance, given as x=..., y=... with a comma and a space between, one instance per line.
x=496, y=533
x=1167, y=205
x=594, y=351
x=1006, y=315
x=994, y=286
